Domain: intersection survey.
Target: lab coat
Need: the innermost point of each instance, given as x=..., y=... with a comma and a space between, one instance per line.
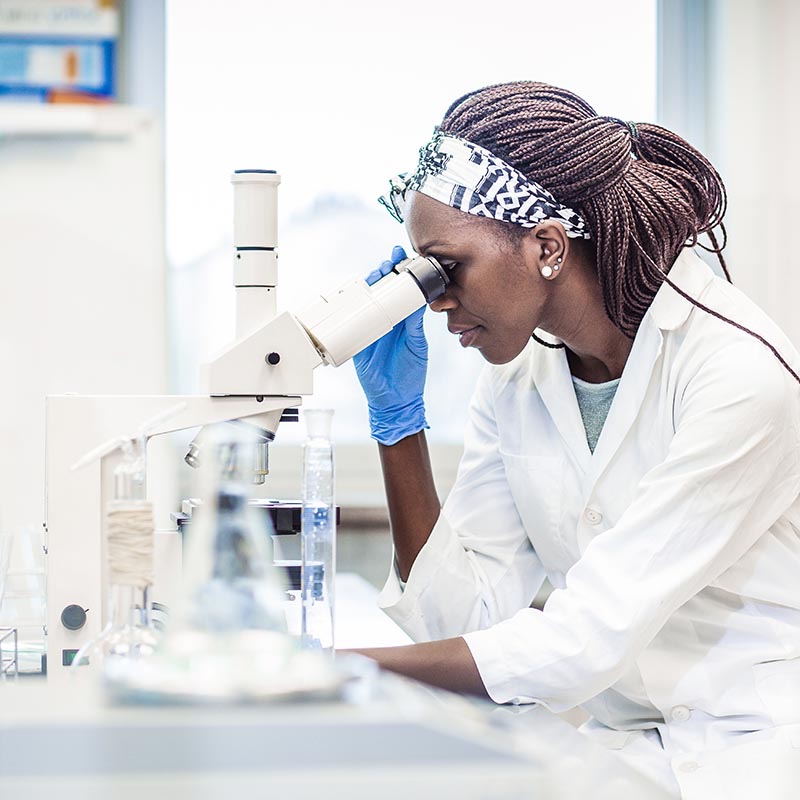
x=674, y=548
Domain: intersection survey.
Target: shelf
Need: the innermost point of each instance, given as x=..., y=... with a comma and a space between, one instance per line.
x=42, y=121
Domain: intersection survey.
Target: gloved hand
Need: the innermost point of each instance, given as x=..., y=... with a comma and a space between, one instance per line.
x=392, y=372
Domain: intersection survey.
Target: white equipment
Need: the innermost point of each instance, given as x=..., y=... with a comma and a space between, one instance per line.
x=258, y=378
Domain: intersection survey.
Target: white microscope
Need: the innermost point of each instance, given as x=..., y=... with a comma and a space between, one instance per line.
x=258, y=378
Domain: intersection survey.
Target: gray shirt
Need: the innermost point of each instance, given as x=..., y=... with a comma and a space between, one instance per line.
x=594, y=401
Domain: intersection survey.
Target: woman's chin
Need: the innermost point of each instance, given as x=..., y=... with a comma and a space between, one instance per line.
x=499, y=356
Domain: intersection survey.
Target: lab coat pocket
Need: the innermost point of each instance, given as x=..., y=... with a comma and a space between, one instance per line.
x=536, y=486
x=778, y=686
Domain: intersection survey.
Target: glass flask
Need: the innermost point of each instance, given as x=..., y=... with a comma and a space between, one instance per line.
x=318, y=534
x=129, y=530
x=226, y=639
x=230, y=584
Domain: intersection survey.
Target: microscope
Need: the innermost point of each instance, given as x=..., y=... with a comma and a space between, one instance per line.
x=258, y=379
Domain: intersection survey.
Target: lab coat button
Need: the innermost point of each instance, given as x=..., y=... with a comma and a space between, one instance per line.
x=592, y=516
x=680, y=713
x=689, y=766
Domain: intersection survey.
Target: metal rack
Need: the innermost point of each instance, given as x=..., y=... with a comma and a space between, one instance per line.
x=9, y=664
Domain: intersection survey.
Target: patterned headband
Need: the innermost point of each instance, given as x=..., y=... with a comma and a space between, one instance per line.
x=468, y=177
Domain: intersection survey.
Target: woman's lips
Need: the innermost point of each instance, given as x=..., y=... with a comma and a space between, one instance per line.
x=467, y=338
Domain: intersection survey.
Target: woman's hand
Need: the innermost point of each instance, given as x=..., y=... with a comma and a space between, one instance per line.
x=392, y=372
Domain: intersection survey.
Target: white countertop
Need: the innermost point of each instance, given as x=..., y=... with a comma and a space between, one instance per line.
x=392, y=739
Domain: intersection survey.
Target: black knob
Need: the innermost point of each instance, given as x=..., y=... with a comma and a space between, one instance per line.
x=273, y=358
x=73, y=617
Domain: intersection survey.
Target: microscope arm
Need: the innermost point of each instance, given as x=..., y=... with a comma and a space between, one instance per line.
x=279, y=356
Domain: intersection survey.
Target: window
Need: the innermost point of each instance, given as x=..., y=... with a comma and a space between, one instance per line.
x=338, y=97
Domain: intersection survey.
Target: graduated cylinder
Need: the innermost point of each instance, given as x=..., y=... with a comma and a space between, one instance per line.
x=318, y=535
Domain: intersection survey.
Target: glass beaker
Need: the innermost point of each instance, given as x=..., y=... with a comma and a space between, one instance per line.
x=318, y=534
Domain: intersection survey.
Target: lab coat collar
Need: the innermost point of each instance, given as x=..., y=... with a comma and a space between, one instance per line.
x=553, y=380
x=628, y=400
x=669, y=310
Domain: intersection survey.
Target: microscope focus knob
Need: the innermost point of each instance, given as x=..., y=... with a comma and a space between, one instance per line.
x=73, y=617
x=273, y=358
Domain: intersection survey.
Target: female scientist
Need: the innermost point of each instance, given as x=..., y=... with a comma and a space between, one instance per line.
x=635, y=438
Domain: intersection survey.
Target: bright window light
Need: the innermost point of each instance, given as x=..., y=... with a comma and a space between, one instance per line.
x=338, y=97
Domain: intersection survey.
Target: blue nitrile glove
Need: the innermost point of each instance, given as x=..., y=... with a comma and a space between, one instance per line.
x=392, y=372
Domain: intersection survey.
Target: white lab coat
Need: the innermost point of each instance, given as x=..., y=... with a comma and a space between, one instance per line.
x=674, y=549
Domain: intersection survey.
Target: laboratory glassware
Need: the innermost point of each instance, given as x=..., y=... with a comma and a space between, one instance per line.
x=22, y=606
x=5, y=559
x=227, y=637
x=8, y=636
x=318, y=534
x=129, y=633
x=231, y=591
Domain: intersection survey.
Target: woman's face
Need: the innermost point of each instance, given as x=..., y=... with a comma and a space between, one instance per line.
x=496, y=295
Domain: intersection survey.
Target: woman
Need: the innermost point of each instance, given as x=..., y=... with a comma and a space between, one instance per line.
x=634, y=439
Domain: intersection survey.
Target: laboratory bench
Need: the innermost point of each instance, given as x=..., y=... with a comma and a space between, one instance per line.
x=403, y=741
x=391, y=738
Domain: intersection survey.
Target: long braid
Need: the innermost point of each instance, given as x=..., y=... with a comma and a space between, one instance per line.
x=631, y=183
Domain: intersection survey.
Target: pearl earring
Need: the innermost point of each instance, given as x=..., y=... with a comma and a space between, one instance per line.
x=547, y=271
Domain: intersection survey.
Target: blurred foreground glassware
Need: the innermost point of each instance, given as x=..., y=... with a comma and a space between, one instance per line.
x=8, y=636
x=5, y=560
x=227, y=638
x=318, y=535
x=129, y=633
x=22, y=606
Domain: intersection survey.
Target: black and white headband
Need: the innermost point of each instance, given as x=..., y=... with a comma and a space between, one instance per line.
x=468, y=177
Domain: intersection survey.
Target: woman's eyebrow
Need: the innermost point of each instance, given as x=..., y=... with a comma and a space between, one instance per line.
x=433, y=244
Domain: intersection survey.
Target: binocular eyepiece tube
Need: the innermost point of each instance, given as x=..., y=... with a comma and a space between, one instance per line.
x=346, y=320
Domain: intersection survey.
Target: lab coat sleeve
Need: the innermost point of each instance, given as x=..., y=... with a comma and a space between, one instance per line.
x=730, y=472
x=478, y=566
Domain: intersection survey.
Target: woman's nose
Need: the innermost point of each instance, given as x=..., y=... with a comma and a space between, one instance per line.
x=445, y=302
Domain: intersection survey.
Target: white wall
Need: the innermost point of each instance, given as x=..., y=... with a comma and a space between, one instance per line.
x=728, y=72
x=753, y=124
x=82, y=308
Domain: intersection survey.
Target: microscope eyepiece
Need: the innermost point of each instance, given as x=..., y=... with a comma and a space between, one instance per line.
x=428, y=274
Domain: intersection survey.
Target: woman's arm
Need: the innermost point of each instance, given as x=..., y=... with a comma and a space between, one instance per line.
x=731, y=470
x=476, y=565
x=447, y=664
x=411, y=497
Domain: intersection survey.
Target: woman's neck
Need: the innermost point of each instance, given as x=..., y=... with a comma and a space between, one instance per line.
x=597, y=350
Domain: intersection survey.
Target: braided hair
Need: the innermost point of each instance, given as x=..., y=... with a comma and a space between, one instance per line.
x=644, y=192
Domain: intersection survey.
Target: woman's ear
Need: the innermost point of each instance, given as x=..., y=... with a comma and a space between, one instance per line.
x=546, y=249
x=552, y=242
